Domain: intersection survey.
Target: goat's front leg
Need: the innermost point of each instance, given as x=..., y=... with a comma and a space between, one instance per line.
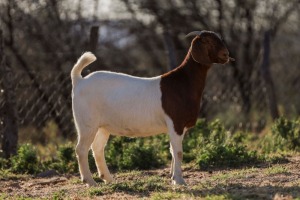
x=172, y=162
x=177, y=155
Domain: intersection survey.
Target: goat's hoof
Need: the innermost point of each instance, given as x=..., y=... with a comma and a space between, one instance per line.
x=178, y=181
x=108, y=180
x=90, y=183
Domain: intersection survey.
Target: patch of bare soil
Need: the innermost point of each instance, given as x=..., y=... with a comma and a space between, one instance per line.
x=279, y=181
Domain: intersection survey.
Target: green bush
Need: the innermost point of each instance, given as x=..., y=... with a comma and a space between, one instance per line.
x=67, y=161
x=4, y=163
x=26, y=160
x=137, y=156
x=134, y=153
x=207, y=144
x=212, y=146
x=201, y=135
x=285, y=136
x=289, y=130
x=226, y=155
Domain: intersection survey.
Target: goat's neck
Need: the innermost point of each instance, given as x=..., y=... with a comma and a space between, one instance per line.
x=196, y=74
x=182, y=91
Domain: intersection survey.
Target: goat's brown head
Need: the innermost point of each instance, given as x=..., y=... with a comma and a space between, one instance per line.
x=208, y=47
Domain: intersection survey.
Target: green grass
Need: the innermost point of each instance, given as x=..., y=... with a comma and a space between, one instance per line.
x=169, y=195
x=139, y=185
x=276, y=170
x=225, y=184
x=59, y=195
x=15, y=197
x=3, y=196
x=241, y=173
x=7, y=174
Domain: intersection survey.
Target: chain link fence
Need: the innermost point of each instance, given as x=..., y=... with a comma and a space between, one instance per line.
x=38, y=97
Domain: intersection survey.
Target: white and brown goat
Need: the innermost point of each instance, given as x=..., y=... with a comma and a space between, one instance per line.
x=107, y=103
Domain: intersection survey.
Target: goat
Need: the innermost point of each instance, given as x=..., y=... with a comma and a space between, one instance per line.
x=107, y=103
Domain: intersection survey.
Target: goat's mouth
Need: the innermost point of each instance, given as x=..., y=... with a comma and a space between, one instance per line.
x=225, y=61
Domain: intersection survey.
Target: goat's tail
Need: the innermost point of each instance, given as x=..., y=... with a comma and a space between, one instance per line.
x=86, y=59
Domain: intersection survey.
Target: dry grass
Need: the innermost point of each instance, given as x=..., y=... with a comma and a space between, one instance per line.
x=279, y=181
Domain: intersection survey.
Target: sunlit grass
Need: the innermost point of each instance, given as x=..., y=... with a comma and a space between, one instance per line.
x=276, y=170
x=234, y=174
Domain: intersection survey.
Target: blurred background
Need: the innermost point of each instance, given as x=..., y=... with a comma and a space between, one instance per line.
x=42, y=39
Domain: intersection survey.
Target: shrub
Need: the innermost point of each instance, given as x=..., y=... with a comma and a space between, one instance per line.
x=4, y=163
x=67, y=161
x=195, y=139
x=289, y=130
x=285, y=136
x=137, y=156
x=212, y=146
x=226, y=155
x=133, y=153
x=26, y=160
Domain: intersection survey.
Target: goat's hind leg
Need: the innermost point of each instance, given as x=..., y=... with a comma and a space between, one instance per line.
x=85, y=139
x=98, y=152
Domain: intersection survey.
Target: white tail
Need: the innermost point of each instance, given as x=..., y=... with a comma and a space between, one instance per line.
x=86, y=59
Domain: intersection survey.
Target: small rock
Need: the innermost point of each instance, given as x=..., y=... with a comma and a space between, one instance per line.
x=48, y=173
x=15, y=185
x=282, y=197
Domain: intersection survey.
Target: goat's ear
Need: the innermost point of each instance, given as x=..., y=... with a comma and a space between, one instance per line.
x=199, y=51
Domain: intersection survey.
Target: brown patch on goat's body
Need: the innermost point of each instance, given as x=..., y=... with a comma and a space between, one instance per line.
x=182, y=87
x=182, y=91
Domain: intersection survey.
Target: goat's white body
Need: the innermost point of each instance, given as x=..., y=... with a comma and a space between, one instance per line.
x=123, y=105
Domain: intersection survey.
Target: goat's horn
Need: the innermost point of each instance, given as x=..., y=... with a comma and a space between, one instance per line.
x=194, y=33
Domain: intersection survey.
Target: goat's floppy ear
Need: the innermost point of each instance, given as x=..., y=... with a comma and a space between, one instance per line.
x=199, y=51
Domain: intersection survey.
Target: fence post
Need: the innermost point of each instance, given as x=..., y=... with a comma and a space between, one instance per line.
x=94, y=34
x=8, y=112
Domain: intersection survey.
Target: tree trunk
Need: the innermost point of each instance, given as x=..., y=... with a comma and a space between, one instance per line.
x=169, y=45
x=266, y=74
x=8, y=112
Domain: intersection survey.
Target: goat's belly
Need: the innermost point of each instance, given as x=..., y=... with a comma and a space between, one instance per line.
x=134, y=131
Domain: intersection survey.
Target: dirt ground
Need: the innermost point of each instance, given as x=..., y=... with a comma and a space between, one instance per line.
x=278, y=181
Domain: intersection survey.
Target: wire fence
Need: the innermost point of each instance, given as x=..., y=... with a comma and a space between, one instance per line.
x=46, y=97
